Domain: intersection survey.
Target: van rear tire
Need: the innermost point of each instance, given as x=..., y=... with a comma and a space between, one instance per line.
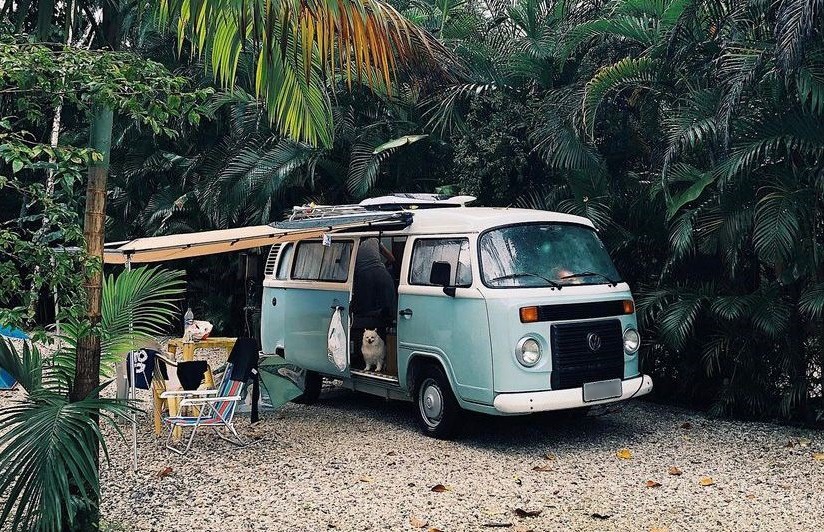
x=436, y=409
x=311, y=390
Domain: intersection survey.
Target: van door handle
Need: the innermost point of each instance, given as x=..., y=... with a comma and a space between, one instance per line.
x=406, y=313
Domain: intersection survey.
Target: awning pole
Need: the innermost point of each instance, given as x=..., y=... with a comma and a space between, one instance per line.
x=133, y=386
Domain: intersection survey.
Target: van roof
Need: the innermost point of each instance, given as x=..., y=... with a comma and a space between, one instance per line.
x=477, y=219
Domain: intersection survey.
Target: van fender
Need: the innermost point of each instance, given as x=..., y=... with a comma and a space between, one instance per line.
x=421, y=357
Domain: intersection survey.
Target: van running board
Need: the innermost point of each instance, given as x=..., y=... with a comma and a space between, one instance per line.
x=374, y=375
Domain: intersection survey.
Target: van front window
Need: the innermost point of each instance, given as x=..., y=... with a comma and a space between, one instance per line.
x=544, y=254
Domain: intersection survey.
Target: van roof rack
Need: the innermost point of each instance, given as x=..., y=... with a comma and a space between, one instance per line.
x=392, y=202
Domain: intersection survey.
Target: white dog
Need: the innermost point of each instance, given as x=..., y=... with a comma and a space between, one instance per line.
x=373, y=350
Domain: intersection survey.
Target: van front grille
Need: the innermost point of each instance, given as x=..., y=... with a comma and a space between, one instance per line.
x=586, y=352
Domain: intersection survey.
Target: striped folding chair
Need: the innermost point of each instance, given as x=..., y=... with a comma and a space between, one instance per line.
x=216, y=410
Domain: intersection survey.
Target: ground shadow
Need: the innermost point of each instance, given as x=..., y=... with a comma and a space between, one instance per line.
x=498, y=433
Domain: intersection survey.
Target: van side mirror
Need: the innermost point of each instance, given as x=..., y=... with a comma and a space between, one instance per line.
x=440, y=275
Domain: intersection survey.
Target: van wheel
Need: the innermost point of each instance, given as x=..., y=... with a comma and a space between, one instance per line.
x=311, y=390
x=437, y=410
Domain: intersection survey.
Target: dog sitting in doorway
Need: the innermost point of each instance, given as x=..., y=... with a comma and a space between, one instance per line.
x=373, y=350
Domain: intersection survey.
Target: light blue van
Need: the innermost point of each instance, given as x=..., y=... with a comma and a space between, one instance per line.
x=501, y=311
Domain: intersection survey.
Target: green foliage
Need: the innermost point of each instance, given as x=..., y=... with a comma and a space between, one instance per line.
x=40, y=184
x=295, y=46
x=138, y=305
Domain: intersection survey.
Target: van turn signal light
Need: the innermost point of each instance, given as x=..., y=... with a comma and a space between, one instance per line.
x=629, y=306
x=530, y=314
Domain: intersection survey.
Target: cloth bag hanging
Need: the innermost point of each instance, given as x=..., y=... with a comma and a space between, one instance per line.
x=336, y=341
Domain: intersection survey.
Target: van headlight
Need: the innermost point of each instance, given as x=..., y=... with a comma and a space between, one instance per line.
x=528, y=352
x=632, y=340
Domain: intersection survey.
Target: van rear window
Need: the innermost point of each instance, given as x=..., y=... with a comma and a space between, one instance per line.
x=316, y=262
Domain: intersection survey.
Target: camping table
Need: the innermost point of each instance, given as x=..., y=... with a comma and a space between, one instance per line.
x=188, y=349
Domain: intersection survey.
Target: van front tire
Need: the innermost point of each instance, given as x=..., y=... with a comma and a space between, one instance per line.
x=436, y=409
x=311, y=390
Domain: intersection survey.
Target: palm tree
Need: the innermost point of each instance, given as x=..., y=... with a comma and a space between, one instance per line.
x=48, y=464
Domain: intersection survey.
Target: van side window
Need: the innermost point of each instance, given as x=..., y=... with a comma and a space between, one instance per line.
x=285, y=260
x=316, y=262
x=455, y=251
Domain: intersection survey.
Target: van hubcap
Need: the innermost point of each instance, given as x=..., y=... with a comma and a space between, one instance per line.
x=430, y=402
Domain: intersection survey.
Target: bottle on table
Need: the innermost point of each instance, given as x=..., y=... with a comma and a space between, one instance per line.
x=188, y=319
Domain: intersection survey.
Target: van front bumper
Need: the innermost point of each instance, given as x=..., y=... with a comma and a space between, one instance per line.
x=527, y=402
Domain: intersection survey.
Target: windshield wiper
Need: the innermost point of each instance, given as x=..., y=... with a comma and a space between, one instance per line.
x=591, y=274
x=527, y=274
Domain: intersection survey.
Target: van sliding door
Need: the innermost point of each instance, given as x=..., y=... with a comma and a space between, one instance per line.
x=321, y=280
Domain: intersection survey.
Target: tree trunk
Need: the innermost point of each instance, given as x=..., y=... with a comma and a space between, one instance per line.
x=87, y=372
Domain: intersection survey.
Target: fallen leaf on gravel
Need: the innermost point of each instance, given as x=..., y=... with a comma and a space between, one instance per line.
x=440, y=488
x=417, y=522
x=624, y=454
x=674, y=471
x=804, y=442
x=518, y=480
x=706, y=481
x=818, y=457
x=165, y=472
x=542, y=468
x=686, y=425
x=391, y=453
x=433, y=529
x=365, y=478
x=659, y=529
x=602, y=517
x=550, y=456
x=750, y=496
x=520, y=512
x=652, y=484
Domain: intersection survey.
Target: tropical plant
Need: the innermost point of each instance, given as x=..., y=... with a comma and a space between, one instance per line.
x=48, y=461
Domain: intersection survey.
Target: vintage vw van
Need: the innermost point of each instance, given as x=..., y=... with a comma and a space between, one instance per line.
x=499, y=310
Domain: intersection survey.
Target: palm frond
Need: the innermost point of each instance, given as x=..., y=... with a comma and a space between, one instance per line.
x=48, y=462
x=777, y=225
x=811, y=302
x=796, y=20
x=296, y=43
x=627, y=72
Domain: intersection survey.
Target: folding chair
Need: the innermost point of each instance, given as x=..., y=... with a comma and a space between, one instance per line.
x=165, y=380
x=216, y=410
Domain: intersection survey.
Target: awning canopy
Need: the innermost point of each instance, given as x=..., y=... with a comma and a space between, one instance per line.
x=185, y=245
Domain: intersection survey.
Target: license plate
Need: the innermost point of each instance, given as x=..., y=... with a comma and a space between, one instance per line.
x=597, y=391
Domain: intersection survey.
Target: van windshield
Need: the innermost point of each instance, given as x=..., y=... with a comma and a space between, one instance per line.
x=544, y=254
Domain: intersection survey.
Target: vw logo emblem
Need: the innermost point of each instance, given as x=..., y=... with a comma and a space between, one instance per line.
x=593, y=341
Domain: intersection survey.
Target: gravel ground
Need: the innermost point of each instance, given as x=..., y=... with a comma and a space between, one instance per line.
x=355, y=462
